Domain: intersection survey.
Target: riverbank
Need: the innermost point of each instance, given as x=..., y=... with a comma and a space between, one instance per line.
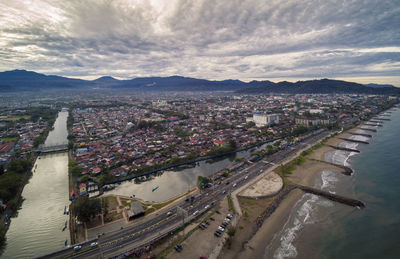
x=39, y=222
x=21, y=179
x=14, y=204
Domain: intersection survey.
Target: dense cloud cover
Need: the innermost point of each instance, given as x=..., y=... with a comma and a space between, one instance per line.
x=213, y=39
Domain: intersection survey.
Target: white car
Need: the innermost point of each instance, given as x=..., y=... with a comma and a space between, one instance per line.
x=246, y=177
x=221, y=228
x=234, y=185
x=169, y=213
x=195, y=213
x=93, y=244
x=77, y=248
x=207, y=206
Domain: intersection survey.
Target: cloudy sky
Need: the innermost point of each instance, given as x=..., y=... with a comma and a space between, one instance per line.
x=355, y=40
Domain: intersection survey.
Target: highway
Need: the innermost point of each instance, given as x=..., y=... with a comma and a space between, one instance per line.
x=135, y=236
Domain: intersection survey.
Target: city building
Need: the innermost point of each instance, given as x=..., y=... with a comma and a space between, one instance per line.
x=262, y=120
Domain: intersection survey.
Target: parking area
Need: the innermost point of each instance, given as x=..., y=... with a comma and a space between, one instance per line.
x=202, y=241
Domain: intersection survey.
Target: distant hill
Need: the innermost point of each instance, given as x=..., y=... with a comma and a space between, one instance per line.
x=28, y=80
x=22, y=80
x=106, y=79
x=323, y=86
x=378, y=85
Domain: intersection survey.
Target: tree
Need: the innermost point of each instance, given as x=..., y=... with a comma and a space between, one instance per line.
x=232, y=144
x=86, y=209
x=250, y=124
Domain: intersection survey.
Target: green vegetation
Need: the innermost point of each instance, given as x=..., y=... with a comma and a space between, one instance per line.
x=231, y=146
x=157, y=125
x=86, y=209
x=202, y=181
x=230, y=204
x=10, y=139
x=11, y=184
x=12, y=181
x=300, y=130
x=171, y=114
x=231, y=232
x=41, y=138
x=74, y=168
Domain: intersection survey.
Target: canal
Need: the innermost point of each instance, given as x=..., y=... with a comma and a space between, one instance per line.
x=38, y=227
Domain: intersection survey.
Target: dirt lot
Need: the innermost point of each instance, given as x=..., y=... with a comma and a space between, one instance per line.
x=202, y=242
x=251, y=209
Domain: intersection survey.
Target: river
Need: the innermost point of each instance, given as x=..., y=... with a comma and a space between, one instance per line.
x=172, y=183
x=38, y=227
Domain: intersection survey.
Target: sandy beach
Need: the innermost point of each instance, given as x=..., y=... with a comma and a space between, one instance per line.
x=304, y=175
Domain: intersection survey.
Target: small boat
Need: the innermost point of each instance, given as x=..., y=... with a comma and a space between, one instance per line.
x=66, y=242
x=65, y=210
x=133, y=195
x=154, y=189
x=65, y=226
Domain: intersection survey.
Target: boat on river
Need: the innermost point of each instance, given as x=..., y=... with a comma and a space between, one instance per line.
x=154, y=189
x=65, y=226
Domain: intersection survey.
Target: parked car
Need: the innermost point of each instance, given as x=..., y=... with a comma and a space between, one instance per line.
x=234, y=185
x=77, y=248
x=195, y=213
x=221, y=228
x=93, y=244
x=178, y=248
x=229, y=216
x=211, y=218
x=169, y=213
x=217, y=234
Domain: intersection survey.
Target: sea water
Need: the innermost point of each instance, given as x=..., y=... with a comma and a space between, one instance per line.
x=320, y=228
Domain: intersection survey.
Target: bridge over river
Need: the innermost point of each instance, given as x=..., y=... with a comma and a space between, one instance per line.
x=52, y=149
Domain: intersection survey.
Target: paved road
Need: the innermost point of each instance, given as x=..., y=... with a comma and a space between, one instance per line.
x=130, y=237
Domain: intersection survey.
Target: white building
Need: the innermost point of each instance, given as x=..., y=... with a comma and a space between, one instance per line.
x=262, y=119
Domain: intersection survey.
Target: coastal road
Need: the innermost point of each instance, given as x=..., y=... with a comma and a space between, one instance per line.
x=134, y=236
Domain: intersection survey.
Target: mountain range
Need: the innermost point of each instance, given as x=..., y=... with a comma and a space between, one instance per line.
x=22, y=80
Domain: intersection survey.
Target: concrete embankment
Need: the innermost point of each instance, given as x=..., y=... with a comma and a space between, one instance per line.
x=332, y=196
x=345, y=149
x=347, y=170
x=373, y=125
x=361, y=134
x=381, y=119
x=355, y=140
x=376, y=121
x=368, y=129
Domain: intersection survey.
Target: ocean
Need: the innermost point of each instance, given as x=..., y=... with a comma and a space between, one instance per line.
x=320, y=228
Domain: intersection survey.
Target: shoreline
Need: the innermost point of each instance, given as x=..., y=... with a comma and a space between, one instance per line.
x=304, y=174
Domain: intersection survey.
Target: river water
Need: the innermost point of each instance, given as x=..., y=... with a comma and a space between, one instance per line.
x=37, y=229
x=172, y=183
x=319, y=228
